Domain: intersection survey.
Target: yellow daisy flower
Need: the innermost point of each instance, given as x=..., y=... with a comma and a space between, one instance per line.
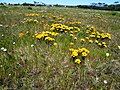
x=77, y=61
x=84, y=54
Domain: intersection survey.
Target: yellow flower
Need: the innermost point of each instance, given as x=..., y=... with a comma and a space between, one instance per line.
x=105, y=45
x=47, y=32
x=99, y=44
x=71, y=32
x=75, y=38
x=74, y=53
x=35, y=21
x=98, y=36
x=80, y=50
x=84, y=54
x=75, y=31
x=54, y=34
x=71, y=35
x=71, y=43
x=21, y=34
x=77, y=61
x=55, y=44
x=93, y=32
x=92, y=35
x=97, y=33
x=105, y=35
x=52, y=28
x=87, y=31
x=91, y=41
x=71, y=49
x=83, y=40
x=32, y=14
x=87, y=38
x=78, y=29
x=85, y=50
x=49, y=39
x=65, y=31
x=41, y=35
x=108, y=35
x=96, y=41
x=92, y=28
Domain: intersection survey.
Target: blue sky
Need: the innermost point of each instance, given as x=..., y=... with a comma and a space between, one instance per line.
x=63, y=2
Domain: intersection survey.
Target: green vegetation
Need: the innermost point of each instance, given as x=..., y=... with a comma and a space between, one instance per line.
x=57, y=48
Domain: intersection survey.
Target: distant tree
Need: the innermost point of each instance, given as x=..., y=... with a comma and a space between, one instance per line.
x=100, y=4
x=4, y=3
x=9, y=4
x=116, y=2
x=46, y=5
x=1, y=3
x=93, y=4
x=28, y=4
x=36, y=3
x=105, y=5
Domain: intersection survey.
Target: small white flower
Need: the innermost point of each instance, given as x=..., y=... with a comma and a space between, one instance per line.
x=118, y=47
x=13, y=43
x=2, y=35
x=1, y=25
x=105, y=81
x=107, y=54
x=5, y=50
x=32, y=45
x=2, y=48
x=97, y=78
x=9, y=74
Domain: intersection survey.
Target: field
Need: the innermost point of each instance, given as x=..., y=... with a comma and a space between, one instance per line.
x=58, y=48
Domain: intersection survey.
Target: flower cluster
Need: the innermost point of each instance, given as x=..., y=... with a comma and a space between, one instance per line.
x=46, y=35
x=99, y=35
x=93, y=33
x=101, y=44
x=30, y=21
x=80, y=54
x=57, y=18
x=74, y=23
x=105, y=36
x=76, y=54
x=63, y=28
x=96, y=37
x=32, y=14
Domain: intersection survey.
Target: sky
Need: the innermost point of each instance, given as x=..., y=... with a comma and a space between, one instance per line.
x=62, y=2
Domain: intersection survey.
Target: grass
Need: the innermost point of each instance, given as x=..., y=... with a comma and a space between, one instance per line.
x=31, y=64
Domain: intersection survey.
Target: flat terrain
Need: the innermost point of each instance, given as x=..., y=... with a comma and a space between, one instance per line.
x=57, y=48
